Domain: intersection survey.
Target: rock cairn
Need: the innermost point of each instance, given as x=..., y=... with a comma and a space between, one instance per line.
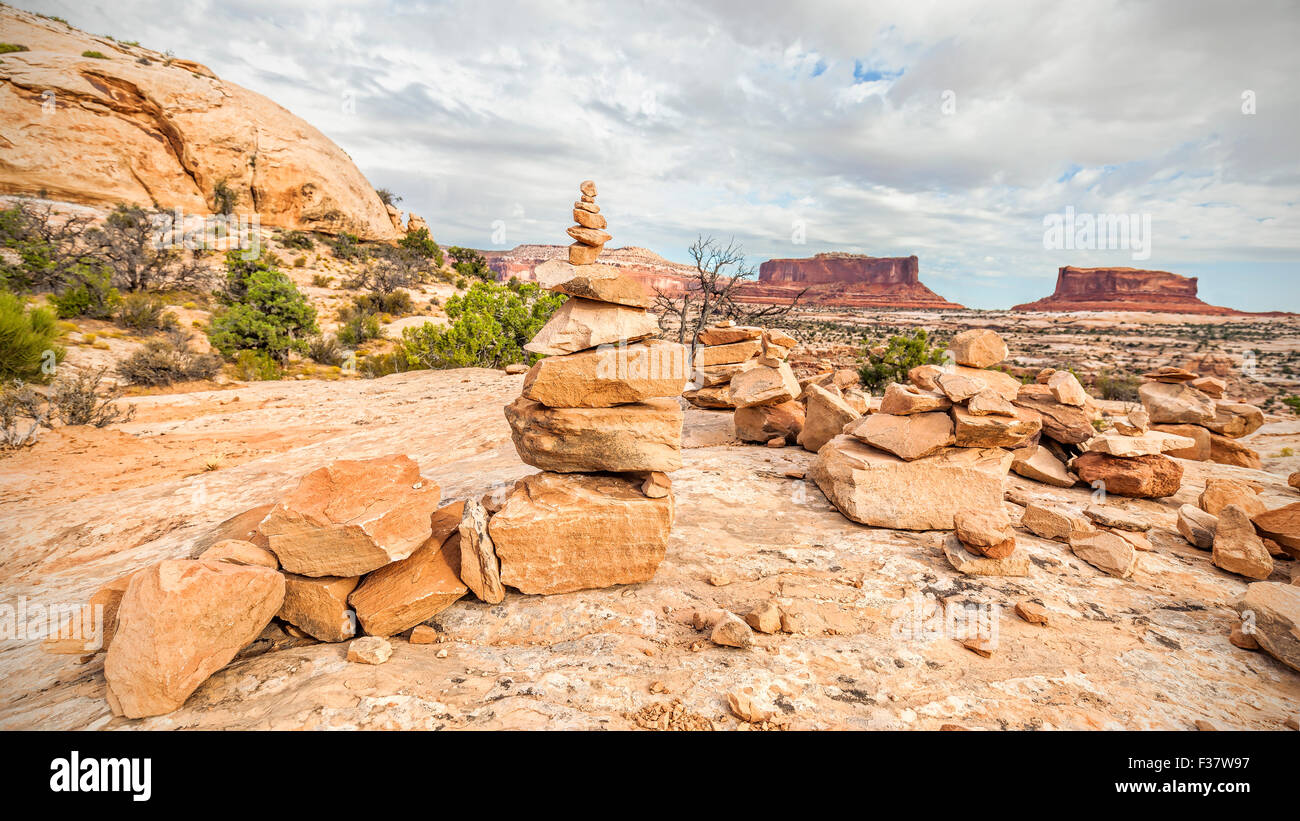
x=766, y=394
x=589, y=233
x=1128, y=459
x=1182, y=402
x=722, y=351
x=599, y=415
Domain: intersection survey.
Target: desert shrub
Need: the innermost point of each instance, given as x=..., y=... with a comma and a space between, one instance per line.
x=28, y=340
x=90, y=294
x=470, y=263
x=360, y=327
x=326, y=350
x=10, y=48
x=224, y=198
x=167, y=361
x=490, y=324
x=901, y=354
x=387, y=197
x=1117, y=387
x=347, y=247
x=145, y=312
x=322, y=280
x=50, y=251
x=396, y=303
x=421, y=244
x=23, y=412
x=300, y=262
x=257, y=366
x=128, y=242
x=383, y=364
x=98, y=55
x=299, y=240
x=461, y=283
x=82, y=398
x=1292, y=402
x=265, y=311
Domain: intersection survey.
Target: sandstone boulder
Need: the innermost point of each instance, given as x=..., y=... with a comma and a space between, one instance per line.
x=989, y=402
x=978, y=348
x=178, y=623
x=763, y=385
x=238, y=551
x=1039, y=464
x=762, y=423
x=727, y=354
x=1066, y=389
x=351, y=517
x=903, y=400
x=717, y=397
x=975, y=564
x=959, y=387
x=1143, y=477
x=985, y=531
x=90, y=628
x=907, y=437
x=1151, y=443
x=616, y=375
x=563, y=532
x=1059, y=525
x=319, y=606
x=1105, y=551
x=1237, y=548
x=369, y=650
x=825, y=417
x=721, y=374
x=603, y=283
x=994, y=431
x=1282, y=525
x=1226, y=451
x=1066, y=424
x=1200, y=449
x=580, y=324
x=1273, y=611
x=640, y=436
x=925, y=377
x=719, y=335
x=1235, y=420
x=1219, y=493
x=1173, y=403
x=1197, y=526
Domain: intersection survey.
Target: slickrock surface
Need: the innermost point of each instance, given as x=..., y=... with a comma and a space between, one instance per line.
x=1149, y=651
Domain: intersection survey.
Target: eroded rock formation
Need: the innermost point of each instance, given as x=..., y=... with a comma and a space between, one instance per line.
x=850, y=280
x=1123, y=289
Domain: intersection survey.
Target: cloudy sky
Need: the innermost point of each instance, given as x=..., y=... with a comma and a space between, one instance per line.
x=946, y=130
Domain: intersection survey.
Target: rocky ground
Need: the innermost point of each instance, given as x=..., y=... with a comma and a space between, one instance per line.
x=84, y=506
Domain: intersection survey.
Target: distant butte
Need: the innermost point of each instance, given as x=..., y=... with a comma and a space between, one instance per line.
x=847, y=280
x=1124, y=289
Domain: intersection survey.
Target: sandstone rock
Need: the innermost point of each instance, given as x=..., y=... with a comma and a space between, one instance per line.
x=979, y=348
x=1004, y=384
x=717, y=397
x=1139, y=541
x=656, y=485
x=582, y=254
x=762, y=385
x=731, y=631
x=178, y=623
x=1237, y=548
x=746, y=707
x=1219, y=493
x=1122, y=289
x=1227, y=451
x=319, y=606
x=993, y=431
x=1050, y=523
x=516, y=368
x=989, y=402
x=727, y=354
x=588, y=236
x=881, y=490
x=1240, y=638
x=985, y=532
x=589, y=219
x=237, y=551
x=1211, y=386
x=762, y=423
x=369, y=650
x=720, y=374
x=79, y=634
x=580, y=324
x=959, y=386
x=1273, y=610
x=1175, y=403
x=1294, y=480
x=907, y=437
x=925, y=377
x=901, y=400
x=604, y=377
x=850, y=280
x=1171, y=374
x=776, y=336
x=1033, y=613
x=640, y=436
x=563, y=532
x=1282, y=525
x=1143, y=477
x=480, y=569
x=859, y=401
x=1066, y=424
x=1105, y=551
x=765, y=618
x=1039, y=464
x=1151, y=443
x=825, y=418
x=603, y=283
x=399, y=596
x=1200, y=449
x=1235, y=420
x=1135, y=423
x=424, y=634
x=720, y=335
x=973, y=564
x=1066, y=389
x=351, y=517
x=1197, y=526
x=1112, y=516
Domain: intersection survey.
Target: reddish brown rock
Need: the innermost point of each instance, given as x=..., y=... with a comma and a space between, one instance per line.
x=761, y=423
x=843, y=279
x=1199, y=452
x=1282, y=525
x=1227, y=451
x=1219, y=493
x=1067, y=424
x=1144, y=477
x=986, y=532
x=237, y=551
x=825, y=417
x=319, y=606
x=1123, y=289
x=1237, y=548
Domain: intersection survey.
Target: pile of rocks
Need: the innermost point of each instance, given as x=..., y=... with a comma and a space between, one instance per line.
x=1067, y=414
x=1181, y=402
x=1243, y=534
x=935, y=447
x=1104, y=536
x=983, y=544
x=589, y=234
x=1128, y=459
x=722, y=351
x=766, y=395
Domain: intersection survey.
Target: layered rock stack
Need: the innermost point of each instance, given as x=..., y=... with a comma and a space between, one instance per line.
x=1182, y=402
x=932, y=449
x=599, y=415
x=1067, y=413
x=589, y=233
x=722, y=351
x=1129, y=459
x=766, y=395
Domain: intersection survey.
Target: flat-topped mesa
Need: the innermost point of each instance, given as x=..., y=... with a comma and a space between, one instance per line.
x=1123, y=289
x=850, y=280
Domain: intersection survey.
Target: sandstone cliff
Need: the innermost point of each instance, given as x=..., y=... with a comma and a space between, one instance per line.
x=139, y=127
x=850, y=280
x=1123, y=289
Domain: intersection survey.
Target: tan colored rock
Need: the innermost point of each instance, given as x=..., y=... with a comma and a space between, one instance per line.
x=1282, y=525
x=762, y=423
x=1199, y=451
x=587, y=219
x=1106, y=551
x=1033, y=613
x=1226, y=451
x=1143, y=477
x=986, y=532
x=1235, y=420
x=745, y=706
x=351, y=517
x=764, y=618
x=720, y=335
x=178, y=623
x=907, y=437
x=859, y=401
x=1171, y=374
x=369, y=650
x=902, y=400
x=989, y=402
x=588, y=236
x=973, y=431
x=582, y=254
x=960, y=386
x=1112, y=516
x=91, y=627
x=1066, y=389
x=1237, y=548
x=424, y=634
x=1197, y=526
x=762, y=385
x=1219, y=493
x=399, y=596
x=602, y=283
x=604, y=377
x=925, y=377
x=732, y=631
x=1294, y=480
x=237, y=551
x=563, y=532
x=979, y=348
x=1066, y=424
x=1211, y=386
x=1173, y=403
x=656, y=485
x=1135, y=423
x=825, y=417
x=588, y=188
x=721, y=374
x=640, y=436
x=580, y=324
x=878, y=489
x=1039, y=464
x=1240, y=638
x=480, y=569
x=1151, y=443
x=973, y=564
x=776, y=336
x=319, y=606
x=1054, y=524
x=1273, y=611
x=1004, y=384
x=727, y=354
x=717, y=397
